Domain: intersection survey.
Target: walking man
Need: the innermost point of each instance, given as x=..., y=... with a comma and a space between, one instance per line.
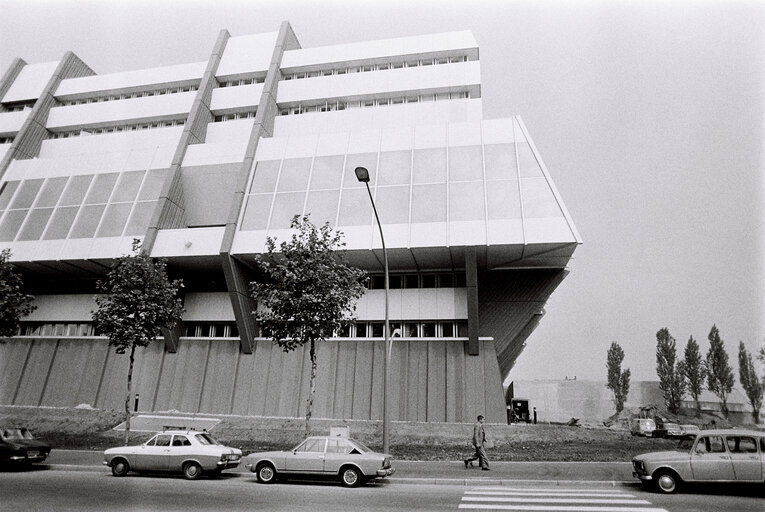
x=479, y=441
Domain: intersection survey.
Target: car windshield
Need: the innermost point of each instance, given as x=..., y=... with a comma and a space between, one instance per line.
x=17, y=433
x=686, y=443
x=205, y=439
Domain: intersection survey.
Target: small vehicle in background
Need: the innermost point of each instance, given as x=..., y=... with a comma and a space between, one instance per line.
x=19, y=446
x=322, y=457
x=642, y=427
x=729, y=455
x=186, y=451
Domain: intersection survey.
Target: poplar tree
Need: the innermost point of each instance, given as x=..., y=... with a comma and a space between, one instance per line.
x=719, y=373
x=671, y=381
x=618, y=380
x=14, y=303
x=306, y=291
x=138, y=301
x=693, y=371
x=750, y=381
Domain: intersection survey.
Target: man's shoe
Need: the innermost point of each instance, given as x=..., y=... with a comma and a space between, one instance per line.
x=466, y=463
x=486, y=469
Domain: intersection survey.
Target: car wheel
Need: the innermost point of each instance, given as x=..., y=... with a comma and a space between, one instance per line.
x=266, y=473
x=120, y=467
x=350, y=476
x=192, y=470
x=666, y=482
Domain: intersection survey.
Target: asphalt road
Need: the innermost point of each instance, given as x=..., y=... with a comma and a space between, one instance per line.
x=45, y=489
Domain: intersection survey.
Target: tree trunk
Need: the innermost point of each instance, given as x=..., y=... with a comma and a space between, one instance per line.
x=698, y=406
x=309, y=405
x=129, y=394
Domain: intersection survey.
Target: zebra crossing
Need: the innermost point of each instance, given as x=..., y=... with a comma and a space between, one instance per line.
x=554, y=499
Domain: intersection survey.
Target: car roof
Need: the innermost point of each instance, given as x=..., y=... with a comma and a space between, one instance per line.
x=731, y=431
x=181, y=432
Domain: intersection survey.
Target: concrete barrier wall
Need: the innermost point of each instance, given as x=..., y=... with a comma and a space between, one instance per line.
x=431, y=381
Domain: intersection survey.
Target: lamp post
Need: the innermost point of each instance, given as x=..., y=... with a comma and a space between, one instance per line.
x=362, y=174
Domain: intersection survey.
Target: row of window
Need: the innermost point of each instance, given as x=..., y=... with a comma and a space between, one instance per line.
x=116, y=129
x=6, y=140
x=328, y=106
x=20, y=107
x=408, y=63
x=130, y=95
x=398, y=281
x=243, y=81
x=233, y=117
x=359, y=329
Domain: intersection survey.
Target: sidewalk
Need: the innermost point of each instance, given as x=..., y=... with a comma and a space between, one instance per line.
x=427, y=472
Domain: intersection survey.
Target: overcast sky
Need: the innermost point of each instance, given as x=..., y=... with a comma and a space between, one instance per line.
x=648, y=115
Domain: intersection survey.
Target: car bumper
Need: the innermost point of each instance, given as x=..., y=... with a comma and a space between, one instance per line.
x=26, y=458
x=382, y=473
x=645, y=478
x=227, y=464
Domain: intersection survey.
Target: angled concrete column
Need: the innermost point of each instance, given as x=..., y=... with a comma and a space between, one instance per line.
x=471, y=275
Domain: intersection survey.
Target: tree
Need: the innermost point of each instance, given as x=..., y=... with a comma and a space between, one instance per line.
x=618, y=380
x=138, y=302
x=14, y=303
x=750, y=381
x=306, y=291
x=671, y=381
x=693, y=371
x=719, y=373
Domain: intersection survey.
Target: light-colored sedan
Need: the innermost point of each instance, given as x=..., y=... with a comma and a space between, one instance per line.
x=188, y=451
x=322, y=456
x=730, y=455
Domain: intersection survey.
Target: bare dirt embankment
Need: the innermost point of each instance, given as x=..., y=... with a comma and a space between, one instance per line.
x=90, y=429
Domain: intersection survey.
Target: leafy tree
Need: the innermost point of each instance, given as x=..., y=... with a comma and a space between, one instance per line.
x=671, y=380
x=14, y=303
x=618, y=380
x=307, y=291
x=719, y=373
x=693, y=371
x=750, y=381
x=138, y=302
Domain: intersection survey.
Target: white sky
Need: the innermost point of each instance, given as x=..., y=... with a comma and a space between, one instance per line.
x=648, y=115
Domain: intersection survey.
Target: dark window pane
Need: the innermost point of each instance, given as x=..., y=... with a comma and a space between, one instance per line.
x=445, y=281
x=27, y=193
x=75, y=190
x=460, y=280
x=61, y=222
x=411, y=281
x=51, y=191
x=411, y=330
x=428, y=280
x=378, y=329
x=361, y=329
x=462, y=329
x=102, y=188
x=428, y=330
x=128, y=185
x=447, y=330
x=35, y=224
x=394, y=282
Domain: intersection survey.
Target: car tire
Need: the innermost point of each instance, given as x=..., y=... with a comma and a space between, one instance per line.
x=192, y=471
x=120, y=467
x=351, y=476
x=667, y=482
x=265, y=473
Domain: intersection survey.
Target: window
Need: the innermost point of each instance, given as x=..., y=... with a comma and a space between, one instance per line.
x=710, y=444
x=428, y=280
x=361, y=329
x=311, y=445
x=162, y=440
x=411, y=281
x=181, y=441
x=738, y=444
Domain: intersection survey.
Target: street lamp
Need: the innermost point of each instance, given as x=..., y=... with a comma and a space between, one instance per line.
x=362, y=174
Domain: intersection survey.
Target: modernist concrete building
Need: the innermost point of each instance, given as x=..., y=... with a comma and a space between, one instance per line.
x=202, y=161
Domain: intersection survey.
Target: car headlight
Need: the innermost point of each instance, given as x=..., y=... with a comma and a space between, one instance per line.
x=386, y=462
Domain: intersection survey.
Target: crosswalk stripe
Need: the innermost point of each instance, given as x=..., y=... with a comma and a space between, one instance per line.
x=553, y=493
x=560, y=508
x=556, y=500
x=546, y=489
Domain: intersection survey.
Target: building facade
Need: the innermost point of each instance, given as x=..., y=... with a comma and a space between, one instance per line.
x=203, y=161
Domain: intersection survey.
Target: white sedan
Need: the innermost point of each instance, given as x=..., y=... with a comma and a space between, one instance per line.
x=187, y=451
x=322, y=456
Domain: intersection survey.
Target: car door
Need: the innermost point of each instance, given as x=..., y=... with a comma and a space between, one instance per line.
x=710, y=460
x=745, y=458
x=308, y=457
x=338, y=451
x=180, y=449
x=156, y=457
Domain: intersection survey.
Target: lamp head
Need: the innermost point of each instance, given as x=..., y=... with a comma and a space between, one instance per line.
x=362, y=174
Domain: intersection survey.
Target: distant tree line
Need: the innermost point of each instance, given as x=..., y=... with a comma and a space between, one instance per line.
x=693, y=373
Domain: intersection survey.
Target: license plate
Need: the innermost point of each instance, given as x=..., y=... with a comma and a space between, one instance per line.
x=33, y=453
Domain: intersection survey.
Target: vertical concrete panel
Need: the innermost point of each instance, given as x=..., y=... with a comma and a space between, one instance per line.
x=245, y=367
x=219, y=379
x=259, y=383
x=346, y=355
x=326, y=360
x=194, y=375
x=113, y=388
x=151, y=366
x=473, y=393
x=494, y=397
x=289, y=385
x=399, y=365
x=13, y=357
x=305, y=381
x=378, y=382
x=164, y=395
x=417, y=377
x=362, y=383
x=35, y=375
x=92, y=370
x=273, y=385
x=455, y=382
x=61, y=388
x=436, y=381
